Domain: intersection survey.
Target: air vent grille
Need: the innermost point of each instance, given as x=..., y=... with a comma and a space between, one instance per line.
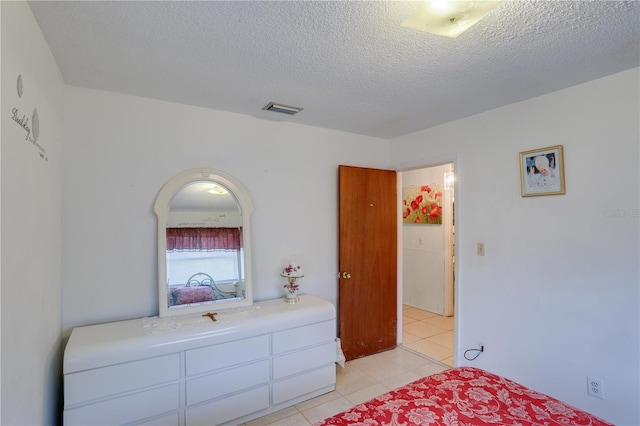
x=284, y=109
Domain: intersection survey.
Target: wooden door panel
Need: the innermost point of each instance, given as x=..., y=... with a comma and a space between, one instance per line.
x=368, y=256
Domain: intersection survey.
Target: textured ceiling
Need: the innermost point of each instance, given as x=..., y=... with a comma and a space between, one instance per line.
x=349, y=64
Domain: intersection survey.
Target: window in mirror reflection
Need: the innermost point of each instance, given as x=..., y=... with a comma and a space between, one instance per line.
x=204, y=265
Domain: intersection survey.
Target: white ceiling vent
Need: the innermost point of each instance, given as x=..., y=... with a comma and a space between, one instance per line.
x=285, y=109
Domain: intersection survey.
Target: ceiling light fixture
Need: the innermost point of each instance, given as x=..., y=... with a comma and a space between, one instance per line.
x=217, y=190
x=449, y=18
x=285, y=109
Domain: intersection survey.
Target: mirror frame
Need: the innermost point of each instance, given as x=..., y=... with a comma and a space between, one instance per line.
x=161, y=208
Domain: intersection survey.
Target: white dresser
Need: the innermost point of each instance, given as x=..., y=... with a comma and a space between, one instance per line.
x=191, y=371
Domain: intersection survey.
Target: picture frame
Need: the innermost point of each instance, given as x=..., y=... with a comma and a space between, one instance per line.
x=542, y=171
x=422, y=205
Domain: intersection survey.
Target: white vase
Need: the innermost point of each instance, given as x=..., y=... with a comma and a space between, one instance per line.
x=291, y=290
x=292, y=297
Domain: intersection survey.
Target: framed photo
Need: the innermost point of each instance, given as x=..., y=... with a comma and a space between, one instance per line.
x=542, y=171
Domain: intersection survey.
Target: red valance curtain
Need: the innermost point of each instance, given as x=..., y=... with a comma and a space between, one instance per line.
x=204, y=239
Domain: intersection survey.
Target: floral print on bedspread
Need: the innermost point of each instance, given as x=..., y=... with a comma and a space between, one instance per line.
x=463, y=396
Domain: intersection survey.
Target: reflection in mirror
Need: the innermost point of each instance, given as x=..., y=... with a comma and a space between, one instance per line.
x=203, y=243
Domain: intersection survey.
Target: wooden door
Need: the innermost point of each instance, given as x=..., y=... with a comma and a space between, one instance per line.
x=367, y=295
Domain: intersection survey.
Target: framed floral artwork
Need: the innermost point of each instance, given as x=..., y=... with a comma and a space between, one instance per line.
x=542, y=171
x=422, y=204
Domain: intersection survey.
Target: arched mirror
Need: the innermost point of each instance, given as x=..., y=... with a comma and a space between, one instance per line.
x=204, y=243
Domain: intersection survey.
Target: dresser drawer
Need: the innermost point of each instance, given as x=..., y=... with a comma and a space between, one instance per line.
x=297, y=386
x=229, y=408
x=226, y=355
x=172, y=419
x=215, y=385
x=102, y=382
x=126, y=409
x=296, y=338
x=306, y=359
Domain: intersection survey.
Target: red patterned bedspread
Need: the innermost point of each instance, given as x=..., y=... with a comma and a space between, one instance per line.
x=463, y=396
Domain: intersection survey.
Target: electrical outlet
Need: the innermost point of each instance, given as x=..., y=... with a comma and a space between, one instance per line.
x=480, y=249
x=594, y=387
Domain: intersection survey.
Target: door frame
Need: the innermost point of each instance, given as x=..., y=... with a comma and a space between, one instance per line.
x=424, y=163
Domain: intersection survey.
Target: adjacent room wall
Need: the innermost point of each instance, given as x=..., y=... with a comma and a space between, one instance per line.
x=122, y=149
x=556, y=297
x=424, y=252
x=31, y=179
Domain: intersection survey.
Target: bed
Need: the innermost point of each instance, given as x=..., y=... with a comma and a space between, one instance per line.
x=463, y=396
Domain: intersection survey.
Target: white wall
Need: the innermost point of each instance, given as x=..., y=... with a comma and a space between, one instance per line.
x=121, y=150
x=424, y=250
x=31, y=223
x=556, y=297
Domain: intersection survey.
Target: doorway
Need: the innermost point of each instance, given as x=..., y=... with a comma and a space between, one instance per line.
x=428, y=262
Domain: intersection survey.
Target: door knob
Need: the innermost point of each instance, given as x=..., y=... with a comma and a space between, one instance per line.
x=346, y=275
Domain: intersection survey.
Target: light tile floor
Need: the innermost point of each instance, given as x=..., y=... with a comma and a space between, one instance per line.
x=360, y=380
x=428, y=333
